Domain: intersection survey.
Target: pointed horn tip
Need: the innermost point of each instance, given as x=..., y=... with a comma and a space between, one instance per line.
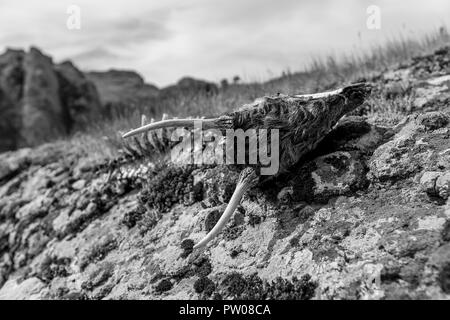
x=363, y=85
x=127, y=135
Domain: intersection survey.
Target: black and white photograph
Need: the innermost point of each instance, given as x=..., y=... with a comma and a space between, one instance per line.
x=221, y=156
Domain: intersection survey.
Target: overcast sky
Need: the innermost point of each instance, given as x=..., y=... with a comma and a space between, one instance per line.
x=165, y=40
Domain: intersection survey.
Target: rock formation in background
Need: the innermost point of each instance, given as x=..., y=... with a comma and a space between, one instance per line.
x=121, y=90
x=188, y=86
x=39, y=99
x=42, y=112
x=78, y=93
x=11, y=87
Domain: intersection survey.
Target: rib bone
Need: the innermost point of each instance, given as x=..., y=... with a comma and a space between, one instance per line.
x=247, y=179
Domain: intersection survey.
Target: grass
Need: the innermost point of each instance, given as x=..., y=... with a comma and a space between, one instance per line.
x=322, y=74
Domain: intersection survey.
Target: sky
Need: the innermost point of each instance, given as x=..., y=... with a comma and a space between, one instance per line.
x=210, y=39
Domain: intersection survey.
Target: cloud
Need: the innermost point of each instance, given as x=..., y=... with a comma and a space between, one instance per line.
x=165, y=40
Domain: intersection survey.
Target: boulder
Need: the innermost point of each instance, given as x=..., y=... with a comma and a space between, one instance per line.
x=41, y=101
x=78, y=94
x=11, y=87
x=43, y=115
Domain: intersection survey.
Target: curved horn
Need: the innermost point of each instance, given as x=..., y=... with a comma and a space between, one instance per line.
x=207, y=123
x=247, y=179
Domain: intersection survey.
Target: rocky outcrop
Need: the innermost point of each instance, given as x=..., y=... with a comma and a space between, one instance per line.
x=11, y=88
x=122, y=90
x=425, y=82
x=79, y=95
x=188, y=87
x=40, y=100
x=43, y=115
x=366, y=216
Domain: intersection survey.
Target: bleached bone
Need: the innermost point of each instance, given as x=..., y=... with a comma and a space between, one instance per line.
x=247, y=179
x=189, y=123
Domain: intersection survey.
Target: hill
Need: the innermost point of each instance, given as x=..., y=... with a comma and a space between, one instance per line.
x=367, y=217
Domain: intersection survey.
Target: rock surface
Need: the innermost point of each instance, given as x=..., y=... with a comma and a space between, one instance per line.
x=367, y=216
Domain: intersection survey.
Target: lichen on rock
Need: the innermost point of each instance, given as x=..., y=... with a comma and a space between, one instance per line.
x=366, y=215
